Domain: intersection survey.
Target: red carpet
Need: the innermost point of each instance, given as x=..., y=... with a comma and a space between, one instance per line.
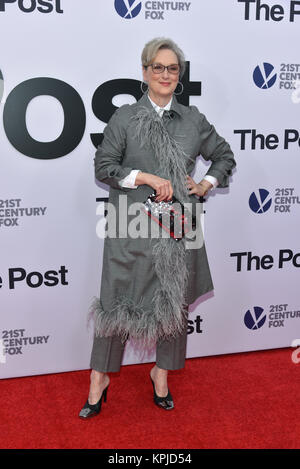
x=245, y=400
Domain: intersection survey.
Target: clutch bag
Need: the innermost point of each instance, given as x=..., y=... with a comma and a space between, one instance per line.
x=170, y=215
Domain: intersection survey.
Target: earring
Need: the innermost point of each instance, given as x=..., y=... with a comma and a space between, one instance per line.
x=181, y=91
x=142, y=89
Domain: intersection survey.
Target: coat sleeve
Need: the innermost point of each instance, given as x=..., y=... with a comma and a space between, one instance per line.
x=215, y=148
x=109, y=155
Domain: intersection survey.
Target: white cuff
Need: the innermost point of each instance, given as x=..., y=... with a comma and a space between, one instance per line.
x=129, y=181
x=214, y=181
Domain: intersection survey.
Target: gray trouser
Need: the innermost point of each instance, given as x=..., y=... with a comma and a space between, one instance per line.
x=107, y=353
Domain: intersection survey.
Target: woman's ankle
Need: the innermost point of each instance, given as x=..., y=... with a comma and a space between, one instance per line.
x=98, y=376
x=158, y=373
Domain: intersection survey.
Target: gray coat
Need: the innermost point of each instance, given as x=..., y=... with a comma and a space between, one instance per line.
x=129, y=280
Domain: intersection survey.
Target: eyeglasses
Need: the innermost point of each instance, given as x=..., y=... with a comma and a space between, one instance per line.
x=159, y=68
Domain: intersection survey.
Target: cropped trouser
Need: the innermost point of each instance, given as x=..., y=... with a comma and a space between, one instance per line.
x=107, y=353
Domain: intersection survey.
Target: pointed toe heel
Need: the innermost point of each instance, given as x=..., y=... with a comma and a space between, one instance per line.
x=91, y=410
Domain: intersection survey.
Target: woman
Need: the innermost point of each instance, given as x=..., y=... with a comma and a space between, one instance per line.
x=148, y=284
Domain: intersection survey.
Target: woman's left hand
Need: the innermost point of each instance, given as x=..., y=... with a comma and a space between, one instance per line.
x=199, y=189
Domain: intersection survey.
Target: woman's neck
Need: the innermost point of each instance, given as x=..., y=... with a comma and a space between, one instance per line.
x=160, y=101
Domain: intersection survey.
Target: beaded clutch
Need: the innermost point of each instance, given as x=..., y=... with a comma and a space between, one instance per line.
x=170, y=215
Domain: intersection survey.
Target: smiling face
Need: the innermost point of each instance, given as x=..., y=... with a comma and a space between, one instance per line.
x=162, y=85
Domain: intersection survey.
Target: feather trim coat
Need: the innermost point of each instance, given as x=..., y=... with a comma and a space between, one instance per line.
x=146, y=284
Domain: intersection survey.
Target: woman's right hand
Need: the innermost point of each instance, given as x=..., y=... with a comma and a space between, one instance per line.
x=163, y=187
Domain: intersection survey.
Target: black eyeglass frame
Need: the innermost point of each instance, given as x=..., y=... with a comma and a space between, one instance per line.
x=164, y=68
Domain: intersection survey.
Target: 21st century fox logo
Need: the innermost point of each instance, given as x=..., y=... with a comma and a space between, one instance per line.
x=129, y=9
x=287, y=75
x=30, y=6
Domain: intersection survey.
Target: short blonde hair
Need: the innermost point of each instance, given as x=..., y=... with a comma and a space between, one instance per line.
x=152, y=47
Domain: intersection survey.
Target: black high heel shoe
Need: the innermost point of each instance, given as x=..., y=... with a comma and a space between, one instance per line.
x=166, y=402
x=90, y=410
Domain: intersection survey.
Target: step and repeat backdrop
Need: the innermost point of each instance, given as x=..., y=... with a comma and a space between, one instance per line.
x=66, y=65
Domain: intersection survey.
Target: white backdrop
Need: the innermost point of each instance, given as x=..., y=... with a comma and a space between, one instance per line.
x=50, y=255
